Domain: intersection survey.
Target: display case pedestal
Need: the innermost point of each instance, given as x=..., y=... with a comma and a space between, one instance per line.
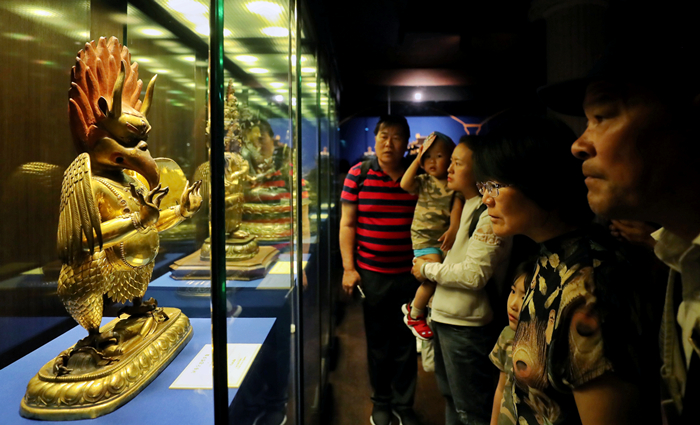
x=147, y=344
x=193, y=267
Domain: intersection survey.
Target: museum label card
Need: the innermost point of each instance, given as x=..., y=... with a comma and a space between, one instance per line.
x=198, y=374
x=283, y=267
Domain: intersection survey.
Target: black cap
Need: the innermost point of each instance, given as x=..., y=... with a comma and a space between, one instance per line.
x=670, y=66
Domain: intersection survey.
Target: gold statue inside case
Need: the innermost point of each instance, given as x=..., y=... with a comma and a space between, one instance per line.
x=114, y=202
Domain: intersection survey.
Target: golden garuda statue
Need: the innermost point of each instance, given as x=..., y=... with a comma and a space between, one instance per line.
x=109, y=221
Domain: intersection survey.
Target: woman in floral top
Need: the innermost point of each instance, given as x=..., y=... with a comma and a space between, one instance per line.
x=581, y=353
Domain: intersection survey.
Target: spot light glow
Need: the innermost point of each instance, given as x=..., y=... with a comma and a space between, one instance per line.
x=279, y=98
x=151, y=32
x=18, y=36
x=275, y=31
x=188, y=7
x=265, y=8
x=188, y=58
x=246, y=58
x=308, y=70
x=276, y=85
x=42, y=12
x=258, y=71
x=418, y=96
x=294, y=58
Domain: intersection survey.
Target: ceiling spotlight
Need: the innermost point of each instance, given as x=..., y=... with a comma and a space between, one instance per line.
x=188, y=58
x=188, y=7
x=152, y=32
x=42, y=12
x=18, y=36
x=258, y=71
x=246, y=58
x=294, y=58
x=418, y=96
x=308, y=70
x=276, y=85
x=202, y=29
x=275, y=31
x=265, y=8
x=279, y=98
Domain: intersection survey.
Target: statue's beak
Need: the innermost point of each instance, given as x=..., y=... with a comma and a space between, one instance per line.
x=139, y=159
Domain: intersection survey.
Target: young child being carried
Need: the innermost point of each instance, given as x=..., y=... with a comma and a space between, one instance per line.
x=435, y=221
x=503, y=412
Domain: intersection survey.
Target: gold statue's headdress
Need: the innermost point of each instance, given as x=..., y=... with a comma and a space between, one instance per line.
x=105, y=87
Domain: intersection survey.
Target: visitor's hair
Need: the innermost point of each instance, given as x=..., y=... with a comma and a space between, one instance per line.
x=470, y=141
x=393, y=120
x=266, y=128
x=525, y=268
x=441, y=139
x=533, y=154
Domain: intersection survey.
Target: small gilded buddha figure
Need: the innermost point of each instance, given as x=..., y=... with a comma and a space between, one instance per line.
x=240, y=245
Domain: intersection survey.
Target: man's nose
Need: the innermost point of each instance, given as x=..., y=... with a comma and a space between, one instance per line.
x=487, y=199
x=583, y=147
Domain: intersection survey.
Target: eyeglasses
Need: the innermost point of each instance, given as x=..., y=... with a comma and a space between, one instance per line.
x=490, y=187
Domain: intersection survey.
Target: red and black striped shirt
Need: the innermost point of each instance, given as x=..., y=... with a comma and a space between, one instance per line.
x=384, y=216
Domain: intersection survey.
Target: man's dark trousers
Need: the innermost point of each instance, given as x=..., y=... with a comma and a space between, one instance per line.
x=391, y=346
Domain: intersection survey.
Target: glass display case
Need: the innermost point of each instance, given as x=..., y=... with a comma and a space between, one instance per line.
x=256, y=126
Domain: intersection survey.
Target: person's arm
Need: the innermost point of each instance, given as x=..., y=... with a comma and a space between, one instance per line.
x=484, y=252
x=497, y=398
x=448, y=238
x=408, y=181
x=608, y=400
x=348, y=227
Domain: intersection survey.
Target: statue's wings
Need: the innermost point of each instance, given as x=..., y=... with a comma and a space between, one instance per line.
x=78, y=215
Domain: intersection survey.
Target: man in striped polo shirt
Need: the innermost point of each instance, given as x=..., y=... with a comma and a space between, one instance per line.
x=375, y=243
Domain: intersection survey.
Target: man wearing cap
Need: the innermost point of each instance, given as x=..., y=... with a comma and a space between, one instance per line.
x=641, y=161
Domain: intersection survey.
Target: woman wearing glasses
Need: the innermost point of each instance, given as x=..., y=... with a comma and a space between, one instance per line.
x=461, y=313
x=580, y=345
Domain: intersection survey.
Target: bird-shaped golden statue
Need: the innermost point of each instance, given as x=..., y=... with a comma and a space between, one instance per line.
x=109, y=221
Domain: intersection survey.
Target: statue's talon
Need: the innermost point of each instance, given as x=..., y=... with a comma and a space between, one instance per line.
x=139, y=308
x=96, y=341
x=60, y=369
